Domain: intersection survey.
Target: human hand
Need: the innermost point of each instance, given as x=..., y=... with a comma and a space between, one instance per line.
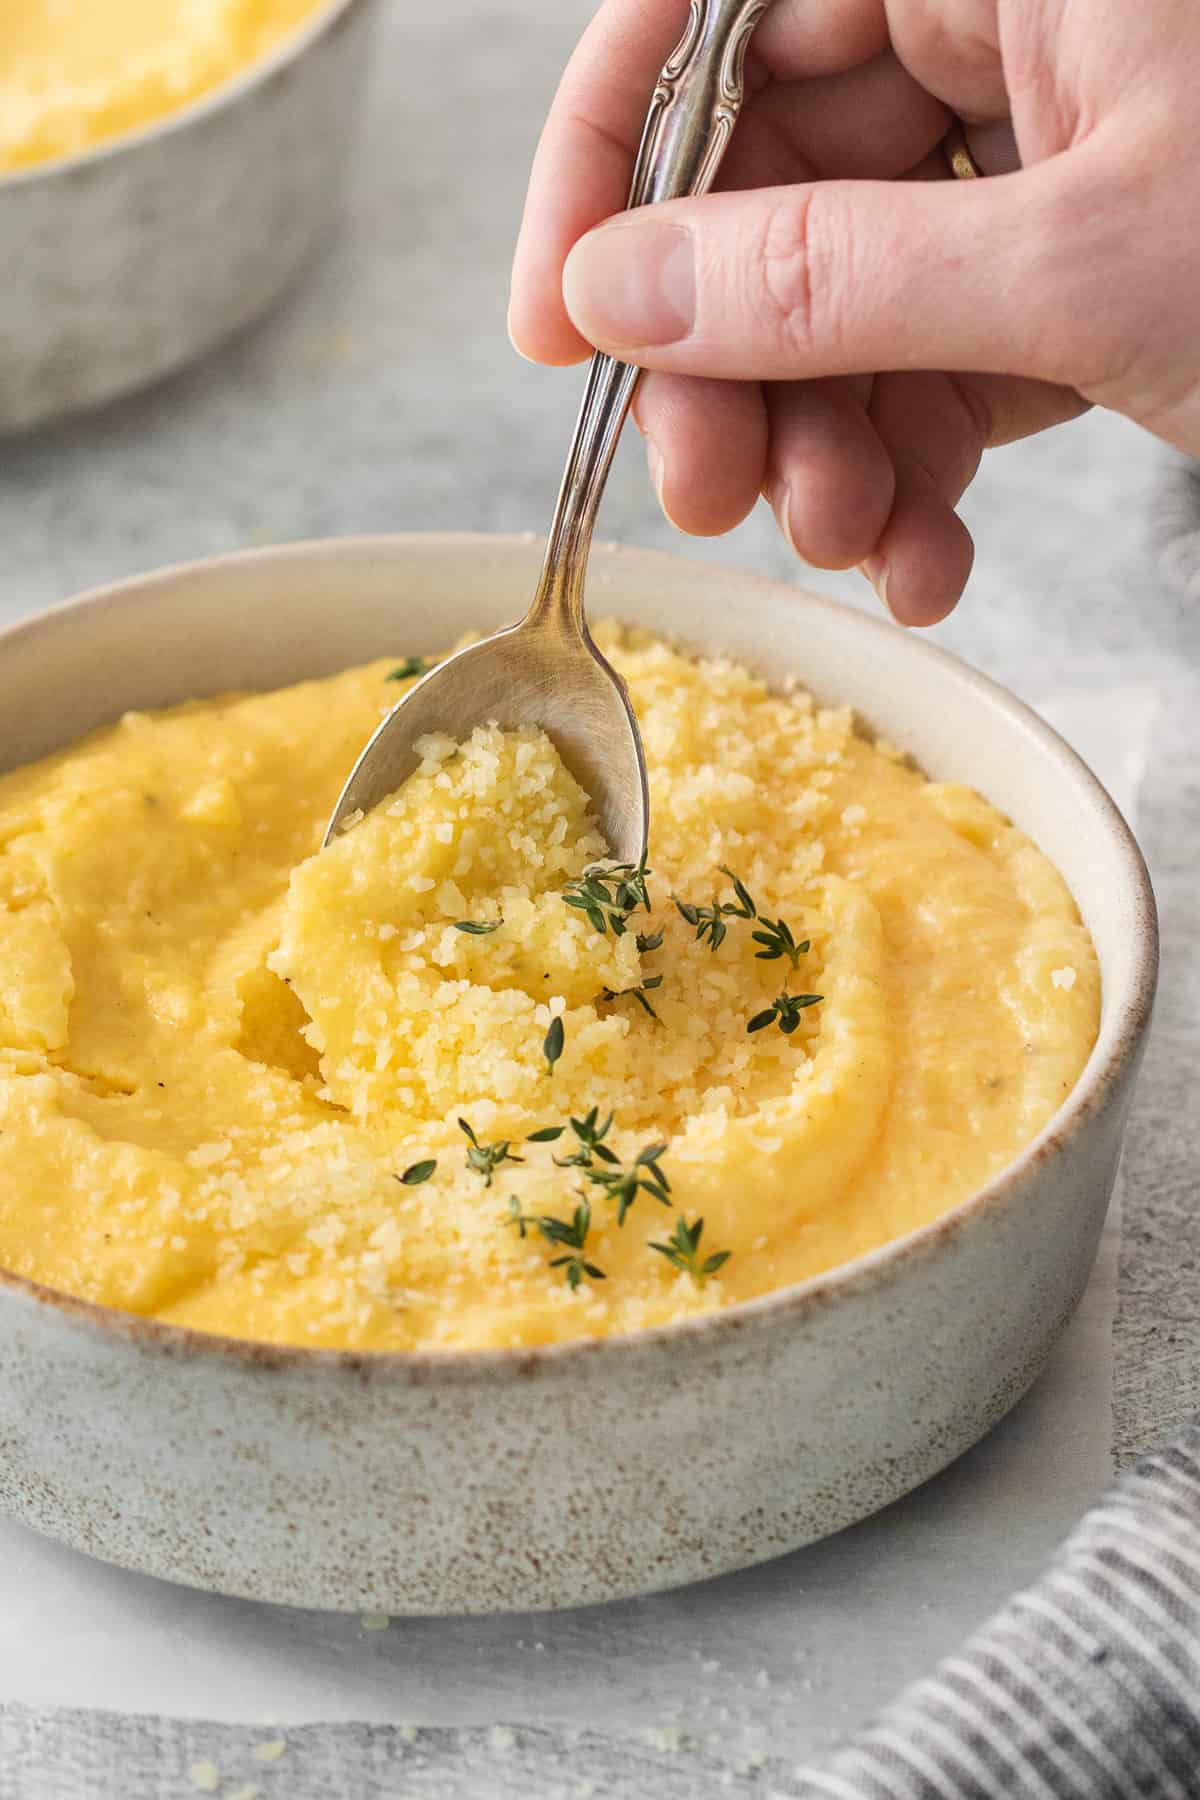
x=795, y=319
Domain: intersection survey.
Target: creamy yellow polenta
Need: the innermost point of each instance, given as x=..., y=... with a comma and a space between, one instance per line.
x=219, y=1050
x=75, y=72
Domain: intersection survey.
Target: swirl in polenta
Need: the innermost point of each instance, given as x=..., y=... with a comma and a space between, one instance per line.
x=327, y=1098
x=74, y=73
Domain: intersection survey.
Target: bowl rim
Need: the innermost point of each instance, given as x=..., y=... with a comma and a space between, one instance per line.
x=798, y=1300
x=323, y=17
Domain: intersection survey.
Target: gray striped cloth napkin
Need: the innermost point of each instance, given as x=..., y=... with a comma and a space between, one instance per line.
x=1085, y=1687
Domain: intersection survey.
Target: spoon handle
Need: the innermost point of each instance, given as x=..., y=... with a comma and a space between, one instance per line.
x=692, y=114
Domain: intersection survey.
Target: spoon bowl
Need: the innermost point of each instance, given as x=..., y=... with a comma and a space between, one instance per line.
x=529, y=674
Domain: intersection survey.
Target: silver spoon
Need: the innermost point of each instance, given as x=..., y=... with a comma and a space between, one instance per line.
x=546, y=670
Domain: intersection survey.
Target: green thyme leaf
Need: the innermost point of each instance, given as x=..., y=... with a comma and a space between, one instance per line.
x=478, y=927
x=516, y=1217
x=709, y=921
x=546, y=1135
x=622, y=1185
x=590, y=1135
x=484, y=1159
x=552, y=1044
x=570, y=1235
x=418, y=1172
x=706, y=920
x=647, y=943
x=576, y=1268
x=572, y=1231
x=409, y=668
x=776, y=935
x=607, y=893
x=637, y=993
x=745, y=907
x=786, y=1009
x=682, y=1251
x=632, y=891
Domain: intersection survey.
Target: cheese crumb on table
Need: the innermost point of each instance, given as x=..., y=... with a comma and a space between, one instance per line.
x=270, y=1751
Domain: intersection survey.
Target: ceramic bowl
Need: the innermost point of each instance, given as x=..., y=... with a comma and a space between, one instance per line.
x=124, y=262
x=471, y=1482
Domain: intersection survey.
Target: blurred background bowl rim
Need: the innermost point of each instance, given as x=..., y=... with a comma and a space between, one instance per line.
x=859, y=1274
x=239, y=85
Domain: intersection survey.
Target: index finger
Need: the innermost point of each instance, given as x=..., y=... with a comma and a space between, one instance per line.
x=584, y=161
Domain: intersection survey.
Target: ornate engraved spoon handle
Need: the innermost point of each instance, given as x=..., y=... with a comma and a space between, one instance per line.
x=691, y=119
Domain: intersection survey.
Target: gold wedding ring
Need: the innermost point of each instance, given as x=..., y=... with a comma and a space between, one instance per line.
x=957, y=151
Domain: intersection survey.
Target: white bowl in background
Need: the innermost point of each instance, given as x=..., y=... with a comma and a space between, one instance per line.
x=128, y=260
x=470, y=1482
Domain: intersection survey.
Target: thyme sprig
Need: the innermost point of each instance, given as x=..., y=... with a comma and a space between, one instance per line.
x=571, y=1234
x=607, y=893
x=409, y=668
x=709, y=921
x=642, y=1176
x=621, y=1183
x=637, y=993
x=590, y=1134
x=486, y=1158
x=682, y=1250
x=776, y=934
x=786, y=1008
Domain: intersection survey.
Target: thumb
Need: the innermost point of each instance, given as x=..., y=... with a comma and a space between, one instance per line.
x=838, y=278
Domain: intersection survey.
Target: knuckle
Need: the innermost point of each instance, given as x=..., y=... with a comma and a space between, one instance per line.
x=793, y=275
x=953, y=52
x=978, y=416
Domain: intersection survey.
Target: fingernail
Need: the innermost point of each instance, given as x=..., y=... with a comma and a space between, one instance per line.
x=780, y=498
x=512, y=337
x=632, y=284
x=878, y=574
x=654, y=463
x=658, y=477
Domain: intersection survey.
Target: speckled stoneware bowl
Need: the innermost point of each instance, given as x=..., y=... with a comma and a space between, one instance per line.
x=128, y=260
x=514, y=1479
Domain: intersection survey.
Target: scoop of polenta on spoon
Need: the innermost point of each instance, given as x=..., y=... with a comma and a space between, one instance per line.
x=546, y=671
